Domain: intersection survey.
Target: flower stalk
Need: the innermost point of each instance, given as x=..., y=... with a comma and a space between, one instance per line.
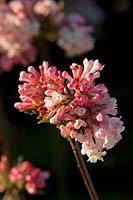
x=83, y=170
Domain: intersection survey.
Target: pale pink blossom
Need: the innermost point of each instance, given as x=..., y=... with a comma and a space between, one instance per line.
x=75, y=37
x=80, y=108
x=31, y=92
x=46, y=7
x=92, y=152
x=50, y=11
x=36, y=92
x=51, y=17
x=70, y=31
x=21, y=176
x=26, y=176
x=17, y=29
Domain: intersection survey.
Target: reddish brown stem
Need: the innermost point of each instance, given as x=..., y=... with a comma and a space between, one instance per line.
x=83, y=170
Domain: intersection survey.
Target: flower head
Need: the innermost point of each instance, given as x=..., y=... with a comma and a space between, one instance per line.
x=29, y=177
x=17, y=29
x=80, y=108
x=45, y=8
x=75, y=37
x=69, y=30
x=21, y=176
x=48, y=12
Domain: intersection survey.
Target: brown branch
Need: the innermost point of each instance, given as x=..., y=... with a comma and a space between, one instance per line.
x=83, y=170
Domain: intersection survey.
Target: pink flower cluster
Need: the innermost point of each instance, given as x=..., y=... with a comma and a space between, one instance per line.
x=46, y=8
x=69, y=30
x=27, y=176
x=21, y=20
x=50, y=16
x=21, y=176
x=17, y=28
x=75, y=36
x=80, y=108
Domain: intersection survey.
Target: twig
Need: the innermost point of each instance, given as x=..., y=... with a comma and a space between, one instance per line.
x=83, y=170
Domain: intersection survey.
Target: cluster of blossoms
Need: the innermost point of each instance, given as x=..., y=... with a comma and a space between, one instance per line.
x=51, y=17
x=75, y=36
x=80, y=108
x=21, y=176
x=21, y=21
x=70, y=30
x=17, y=28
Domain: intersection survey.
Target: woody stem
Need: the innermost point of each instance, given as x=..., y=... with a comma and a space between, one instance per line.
x=83, y=170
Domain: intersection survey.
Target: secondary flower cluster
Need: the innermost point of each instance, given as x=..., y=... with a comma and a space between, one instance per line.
x=21, y=176
x=75, y=36
x=80, y=108
x=21, y=21
x=68, y=30
x=17, y=29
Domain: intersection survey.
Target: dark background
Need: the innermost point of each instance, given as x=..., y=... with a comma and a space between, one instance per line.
x=43, y=145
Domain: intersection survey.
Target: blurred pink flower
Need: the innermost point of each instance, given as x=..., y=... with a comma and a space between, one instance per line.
x=70, y=31
x=16, y=35
x=51, y=18
x=27, y=176
x=21, y=176
x=46, y=7
x=80, y=108
x=75, y=37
